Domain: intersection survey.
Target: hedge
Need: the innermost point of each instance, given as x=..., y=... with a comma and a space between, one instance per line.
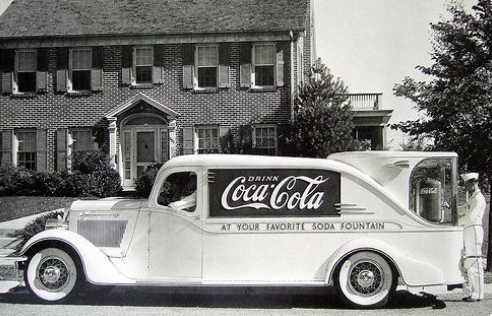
x=92, y=176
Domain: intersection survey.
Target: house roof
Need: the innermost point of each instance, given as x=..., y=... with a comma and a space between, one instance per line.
x=72, y=18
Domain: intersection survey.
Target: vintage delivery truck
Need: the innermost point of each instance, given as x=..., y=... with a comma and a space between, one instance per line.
x=362, y=221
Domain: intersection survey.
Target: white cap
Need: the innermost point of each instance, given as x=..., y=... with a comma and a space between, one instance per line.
x=469, y=176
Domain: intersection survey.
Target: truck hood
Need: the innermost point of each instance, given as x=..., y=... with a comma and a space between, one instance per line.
x=110, y=204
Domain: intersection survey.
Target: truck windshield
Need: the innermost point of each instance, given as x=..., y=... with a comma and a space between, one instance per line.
x=433, y=190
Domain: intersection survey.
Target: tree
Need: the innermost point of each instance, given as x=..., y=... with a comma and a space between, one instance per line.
x=323, y=120
x=456, y=102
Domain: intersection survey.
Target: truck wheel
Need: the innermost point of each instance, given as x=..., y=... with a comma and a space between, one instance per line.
x=365, y=280
x=51, y=275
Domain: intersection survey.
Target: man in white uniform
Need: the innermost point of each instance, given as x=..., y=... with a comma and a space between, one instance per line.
x=470, y=216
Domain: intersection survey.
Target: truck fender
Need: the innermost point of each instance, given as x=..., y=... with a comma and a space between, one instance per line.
x=414, y=272
x=97, y=266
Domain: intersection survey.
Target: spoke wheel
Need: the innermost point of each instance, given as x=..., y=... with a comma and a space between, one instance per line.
x=365, y=280
x=51, y=274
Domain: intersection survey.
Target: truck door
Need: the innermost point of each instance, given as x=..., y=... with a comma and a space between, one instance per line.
x=175, y=234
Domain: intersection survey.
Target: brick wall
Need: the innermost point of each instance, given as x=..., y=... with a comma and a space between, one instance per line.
x=232, y=107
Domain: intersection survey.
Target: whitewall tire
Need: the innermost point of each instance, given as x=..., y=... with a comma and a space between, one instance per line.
x=51, y=275
x=365, y=280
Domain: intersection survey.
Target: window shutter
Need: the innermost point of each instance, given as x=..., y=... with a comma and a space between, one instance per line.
x=41, y=153
x=42, y=73
x=188, y=65
x=224, y=65
x=126, y=65
x=61, y=80
x=97, y=57
x=62, y=69
x=97, y=69
x=245, y=76
x=280, y=67
x=61, y=149
x=245, y=51
x=224, y=81
x=41, y=81
x=188, y=77
x=158, y=71
x=7, y=82
x=7, y=59
x=7, y=137
x=188, y=144
x=96, y=79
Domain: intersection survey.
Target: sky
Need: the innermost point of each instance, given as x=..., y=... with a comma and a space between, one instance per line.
x=374, y=44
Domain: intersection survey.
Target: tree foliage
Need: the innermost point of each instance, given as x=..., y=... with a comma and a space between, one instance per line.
x=323, y=121
x=456, y=102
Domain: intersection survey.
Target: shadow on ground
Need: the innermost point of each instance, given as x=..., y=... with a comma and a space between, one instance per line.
x=263, y=298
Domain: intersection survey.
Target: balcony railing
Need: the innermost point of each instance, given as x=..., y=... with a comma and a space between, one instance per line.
x=365, y=101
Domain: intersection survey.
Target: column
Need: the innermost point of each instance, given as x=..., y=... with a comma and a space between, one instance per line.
x=112, y=141
x=172, y=139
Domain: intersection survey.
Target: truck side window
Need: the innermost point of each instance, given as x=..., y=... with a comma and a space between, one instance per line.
x=179, y=191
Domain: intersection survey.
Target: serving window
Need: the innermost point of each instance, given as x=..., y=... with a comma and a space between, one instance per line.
x=433, y=190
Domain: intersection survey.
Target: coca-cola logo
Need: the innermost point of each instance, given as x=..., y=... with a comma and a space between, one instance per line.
x=274, y=192
x=274, y=196
x=428, y=191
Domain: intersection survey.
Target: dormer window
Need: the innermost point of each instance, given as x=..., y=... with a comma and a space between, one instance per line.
x=25, y=75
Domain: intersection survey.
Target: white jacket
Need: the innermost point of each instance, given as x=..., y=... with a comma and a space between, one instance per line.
x=471, y=213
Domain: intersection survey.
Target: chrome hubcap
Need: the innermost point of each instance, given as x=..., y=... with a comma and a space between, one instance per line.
x=53, y=274
x=366, y=278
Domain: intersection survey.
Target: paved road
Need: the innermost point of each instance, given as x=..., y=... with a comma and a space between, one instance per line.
x=132, y=302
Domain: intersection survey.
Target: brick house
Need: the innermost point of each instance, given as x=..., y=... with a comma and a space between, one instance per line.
x=147, y=80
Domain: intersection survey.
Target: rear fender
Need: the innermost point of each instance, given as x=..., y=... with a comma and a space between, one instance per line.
x=97, y=266
x=414, y=272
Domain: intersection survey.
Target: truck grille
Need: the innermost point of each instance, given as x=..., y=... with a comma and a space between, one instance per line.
x=103, y=233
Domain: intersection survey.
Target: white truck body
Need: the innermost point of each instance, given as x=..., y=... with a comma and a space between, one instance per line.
x=275, y=221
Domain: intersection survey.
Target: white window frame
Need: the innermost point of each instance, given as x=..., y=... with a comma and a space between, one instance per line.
x=15, y=87
x=72, y=69
x=197, y=138
x=259, y=127
x=255, y=64
x=197, y=66
x=135, y=66
x=73, y=139
x=17, y=147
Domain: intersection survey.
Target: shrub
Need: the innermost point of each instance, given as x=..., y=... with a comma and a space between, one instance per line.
x=146, y=181
x=33, y=228
x=92, y=176
x=47, y=183
x=16, y=181
x=98, y=177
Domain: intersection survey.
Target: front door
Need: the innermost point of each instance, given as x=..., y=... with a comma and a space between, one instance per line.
x=145, y=150
x=141, y=147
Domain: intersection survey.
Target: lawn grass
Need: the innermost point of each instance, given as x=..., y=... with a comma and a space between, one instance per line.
x=12, y=207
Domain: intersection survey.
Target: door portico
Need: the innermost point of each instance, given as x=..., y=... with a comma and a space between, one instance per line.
x=141, y=132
